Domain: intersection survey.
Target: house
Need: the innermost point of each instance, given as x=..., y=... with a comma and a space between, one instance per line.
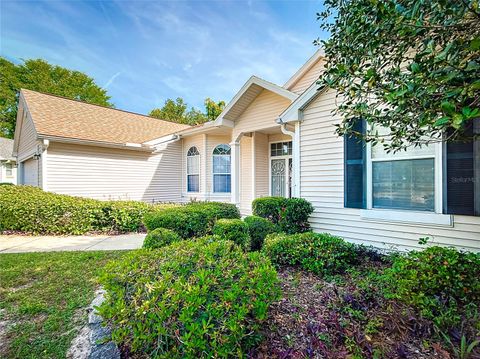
x=269, y=140
x=8, y=170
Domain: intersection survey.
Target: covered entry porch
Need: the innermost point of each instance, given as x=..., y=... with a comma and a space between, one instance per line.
x=264, y=163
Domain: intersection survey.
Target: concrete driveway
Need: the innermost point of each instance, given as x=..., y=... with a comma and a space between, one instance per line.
x=23, y=244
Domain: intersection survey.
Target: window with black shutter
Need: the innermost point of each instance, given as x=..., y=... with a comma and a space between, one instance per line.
x=354, y=168
x=461, y=175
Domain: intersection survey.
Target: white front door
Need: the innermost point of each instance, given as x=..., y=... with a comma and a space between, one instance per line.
x=281, y=169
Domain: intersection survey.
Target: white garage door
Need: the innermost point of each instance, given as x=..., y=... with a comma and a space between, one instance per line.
x=30, y=172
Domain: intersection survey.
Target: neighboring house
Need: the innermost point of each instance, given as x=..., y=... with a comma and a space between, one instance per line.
x=280, y=141
x=8, y=168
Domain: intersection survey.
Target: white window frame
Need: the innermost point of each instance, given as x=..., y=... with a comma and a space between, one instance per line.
x=9, y=167
x=221, y=173
x=286, y=158
x=404, y=215
x=192, y=174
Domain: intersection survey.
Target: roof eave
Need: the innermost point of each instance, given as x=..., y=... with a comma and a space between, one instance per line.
x=294, y=112
x=126, y=146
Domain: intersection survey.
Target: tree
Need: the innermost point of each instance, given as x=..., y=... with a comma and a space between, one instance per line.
x=412, y=66
x=39, y=75
x=176, y=111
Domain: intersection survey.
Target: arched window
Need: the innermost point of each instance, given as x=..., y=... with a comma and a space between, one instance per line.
x=193, y=170
x=221, y=169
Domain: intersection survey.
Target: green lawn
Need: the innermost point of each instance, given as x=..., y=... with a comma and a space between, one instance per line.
x=42, y=296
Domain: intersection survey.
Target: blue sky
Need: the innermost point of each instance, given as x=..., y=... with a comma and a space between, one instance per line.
x=144, y=52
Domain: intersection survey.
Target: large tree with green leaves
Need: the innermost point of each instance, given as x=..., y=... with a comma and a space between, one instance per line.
x=39, y=75
x=412, y=66
x=176, y=111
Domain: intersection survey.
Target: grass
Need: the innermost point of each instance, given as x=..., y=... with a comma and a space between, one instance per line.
x=42, y=296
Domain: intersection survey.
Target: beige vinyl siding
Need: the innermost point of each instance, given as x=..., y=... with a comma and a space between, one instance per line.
x=212, y=142
x=261, y=165
x=261, y=114
x=321, y=166
x=27, y=142
x=246, y=185
x=107, y=173
x=280, y=137
x=309, y=77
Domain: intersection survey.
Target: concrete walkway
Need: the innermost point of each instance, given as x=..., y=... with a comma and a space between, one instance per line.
x=23, y=244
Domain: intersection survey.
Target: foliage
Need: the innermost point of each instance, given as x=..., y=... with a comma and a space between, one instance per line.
x=39, y=75
x=196, y=298
x=176, y=111
x=160, y=237
x=411, y=66
x=320, y=253
x=216, y=210
x=186, y=221
x=194, y=219
x=234, y=230
x=31, y=210
x=43, y=297
x=258, y=228
x=438, y=281
x=269, y=208
x=291, y=214
x=294, y=217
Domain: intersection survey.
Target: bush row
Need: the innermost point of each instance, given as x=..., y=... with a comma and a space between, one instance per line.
x=31, y=210
x=441, y=283
x=320, y=253
x=195, y=219
x=289, y=214
x=200, y=298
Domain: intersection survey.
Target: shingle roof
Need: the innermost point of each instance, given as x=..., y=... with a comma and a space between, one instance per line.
x=61, y=117
x=6, y=149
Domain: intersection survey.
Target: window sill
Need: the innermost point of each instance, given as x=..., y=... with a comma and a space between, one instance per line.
x=414, y=217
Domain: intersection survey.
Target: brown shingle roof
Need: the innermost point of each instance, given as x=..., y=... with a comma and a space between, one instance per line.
x=61, y=117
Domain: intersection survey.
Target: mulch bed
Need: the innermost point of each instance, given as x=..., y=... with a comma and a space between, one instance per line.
x=340, y=319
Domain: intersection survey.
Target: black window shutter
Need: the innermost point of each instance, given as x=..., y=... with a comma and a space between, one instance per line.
x=354, y=168
x=461, y=160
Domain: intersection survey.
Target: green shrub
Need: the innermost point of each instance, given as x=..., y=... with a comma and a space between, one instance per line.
x=234, y=230
x=438, y=281
x=32, y=210
x=160, y=237
x=269, y=208
x=290, y=214
x=216, y=210
x=295, y=214
x=320, y=253
x=186, y=221
x=197, y=298
x=258, y=228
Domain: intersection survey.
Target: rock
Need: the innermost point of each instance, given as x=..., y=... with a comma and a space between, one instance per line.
x=92, y=340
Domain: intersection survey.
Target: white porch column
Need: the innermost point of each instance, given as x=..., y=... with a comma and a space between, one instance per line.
x=235, y=171
x=296, y=160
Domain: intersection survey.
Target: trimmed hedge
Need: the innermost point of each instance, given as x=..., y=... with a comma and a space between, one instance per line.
x=258, y=229
x=320, y=253
x=234, y=230
x=216, y=210
x=160, y=237
x=31, y=210
x=186, y=221
x=438, y=281
x=193, y=299
x=290, y=214
x=195, y=219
